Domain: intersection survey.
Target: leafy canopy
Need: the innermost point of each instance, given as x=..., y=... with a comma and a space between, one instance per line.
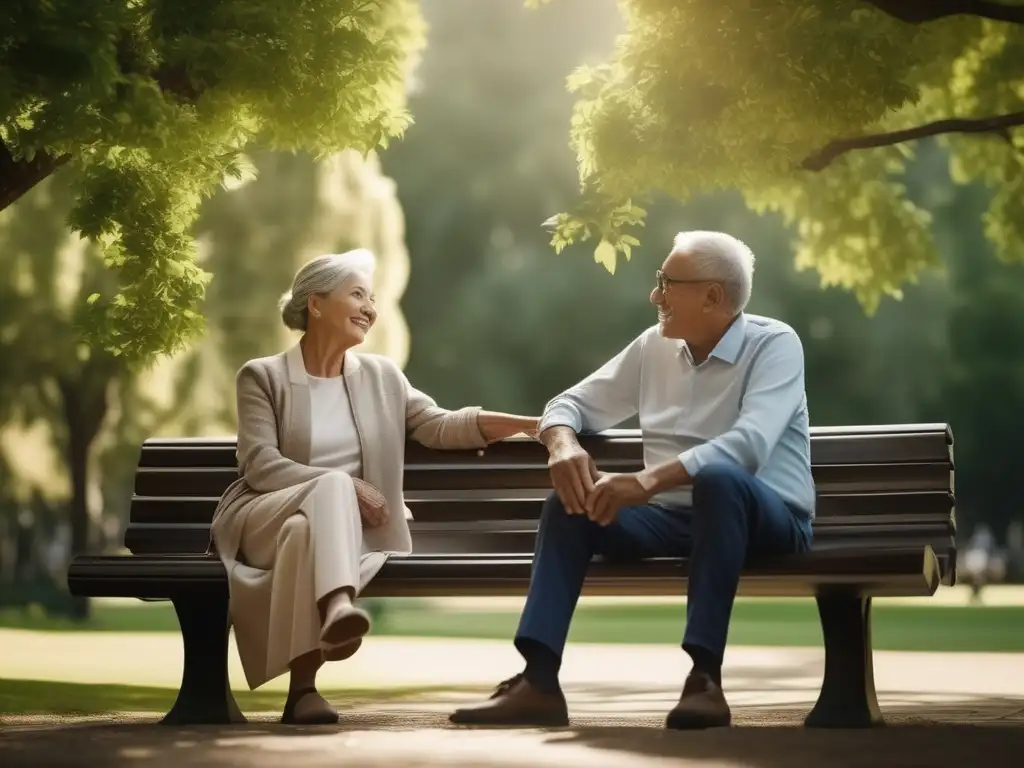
x=152, y=102
x=810, y=109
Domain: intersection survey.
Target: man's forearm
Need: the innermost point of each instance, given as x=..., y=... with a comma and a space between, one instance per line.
x=558, y=436
x=664, y=477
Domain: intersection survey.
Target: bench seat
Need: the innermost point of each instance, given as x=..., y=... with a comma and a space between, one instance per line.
x=897, y=570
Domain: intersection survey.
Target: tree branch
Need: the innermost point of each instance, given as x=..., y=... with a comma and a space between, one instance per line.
x=998, y=124
x=919, y=11
x=19, y=176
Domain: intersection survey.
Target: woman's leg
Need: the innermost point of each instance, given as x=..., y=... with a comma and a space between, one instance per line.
x=337, y=537
x=313, y=546
x=304, y=704
x=292, y=586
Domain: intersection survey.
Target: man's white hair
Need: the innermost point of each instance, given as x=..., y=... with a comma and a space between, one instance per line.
x=320, y=276
x=722, y=258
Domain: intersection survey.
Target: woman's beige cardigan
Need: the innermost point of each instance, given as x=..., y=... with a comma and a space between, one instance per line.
x=273, y=456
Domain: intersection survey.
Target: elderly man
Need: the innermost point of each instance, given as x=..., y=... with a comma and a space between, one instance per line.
x=723, y=413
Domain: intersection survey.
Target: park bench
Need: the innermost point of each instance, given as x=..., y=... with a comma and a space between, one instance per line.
x=885, y=527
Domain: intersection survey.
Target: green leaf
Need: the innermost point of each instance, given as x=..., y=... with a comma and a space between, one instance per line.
x=604, y=255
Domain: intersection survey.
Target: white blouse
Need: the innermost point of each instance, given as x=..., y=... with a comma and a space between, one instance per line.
x=335, y=441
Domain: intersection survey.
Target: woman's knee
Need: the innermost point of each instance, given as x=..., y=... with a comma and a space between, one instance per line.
x=333, y=491
x=334, y=481
x=295, y=531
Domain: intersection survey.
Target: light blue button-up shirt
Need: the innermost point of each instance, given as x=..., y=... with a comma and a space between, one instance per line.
x=745, y=404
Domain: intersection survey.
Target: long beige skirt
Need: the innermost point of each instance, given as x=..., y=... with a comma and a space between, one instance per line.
x=312, y=546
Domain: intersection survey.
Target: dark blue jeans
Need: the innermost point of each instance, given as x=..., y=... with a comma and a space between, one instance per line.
x=734, y=516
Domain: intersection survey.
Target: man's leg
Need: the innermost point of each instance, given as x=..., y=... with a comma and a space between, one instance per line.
x=566, y=544
x=734, y=516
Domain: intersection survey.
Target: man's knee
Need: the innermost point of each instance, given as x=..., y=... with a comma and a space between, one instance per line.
x=719, y=480
x=553, y=507
x=555, y=515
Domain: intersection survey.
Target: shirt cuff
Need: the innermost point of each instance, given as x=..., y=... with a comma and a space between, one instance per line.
x=560, y=416
x=692, y=460
x=476, y=438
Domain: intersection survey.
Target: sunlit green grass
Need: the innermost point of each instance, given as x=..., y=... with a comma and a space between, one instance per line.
x=32, y=697
x=896, y=626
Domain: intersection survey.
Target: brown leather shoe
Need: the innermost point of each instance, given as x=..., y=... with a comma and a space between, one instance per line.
x=516, y=702
x=702, y=705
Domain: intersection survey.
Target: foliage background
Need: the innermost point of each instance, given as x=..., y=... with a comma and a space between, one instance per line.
x=475, y=302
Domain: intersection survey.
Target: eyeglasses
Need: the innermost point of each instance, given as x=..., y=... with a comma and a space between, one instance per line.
x=664, y=281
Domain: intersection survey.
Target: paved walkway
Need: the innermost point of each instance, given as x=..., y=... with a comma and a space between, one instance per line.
x=388, y=662
x=624, y=731
x=943, y=710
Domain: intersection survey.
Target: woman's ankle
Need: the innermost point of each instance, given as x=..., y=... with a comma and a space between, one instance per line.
x=296, y=692
x=303, y=671
x=333, y=601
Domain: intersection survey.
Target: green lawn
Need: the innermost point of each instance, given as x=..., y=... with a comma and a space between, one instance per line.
x=30, y=697
x=760, y=622
x=755, y=622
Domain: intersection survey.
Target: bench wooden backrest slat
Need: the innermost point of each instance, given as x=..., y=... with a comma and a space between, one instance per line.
x=839, y=478
x=156, y=539
x=829, y=445
x=880, y=486
x=452, y=508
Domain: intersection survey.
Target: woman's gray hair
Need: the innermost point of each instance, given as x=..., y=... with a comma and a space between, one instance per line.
x=321, y=276
x=722, y=258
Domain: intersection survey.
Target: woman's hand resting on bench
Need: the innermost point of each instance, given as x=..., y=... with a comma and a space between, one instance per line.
x=372, y=505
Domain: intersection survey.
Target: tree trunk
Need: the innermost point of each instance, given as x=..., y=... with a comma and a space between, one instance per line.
x=85, y=406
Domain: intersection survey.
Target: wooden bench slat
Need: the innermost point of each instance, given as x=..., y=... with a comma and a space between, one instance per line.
x=828, y=506
x=185, y=481
x=936, y=427
x=845, y=478
x=821, y=525
x=519, y=536
x=452, y=507
x=829, y=445
x=908, y=569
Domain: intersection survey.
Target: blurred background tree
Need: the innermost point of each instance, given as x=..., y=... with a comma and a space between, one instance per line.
x=57, y=394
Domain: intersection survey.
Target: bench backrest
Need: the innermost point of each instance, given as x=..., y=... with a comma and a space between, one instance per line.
x=877, y=485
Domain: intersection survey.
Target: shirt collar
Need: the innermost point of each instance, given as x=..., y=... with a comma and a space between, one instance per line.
x=728, y=347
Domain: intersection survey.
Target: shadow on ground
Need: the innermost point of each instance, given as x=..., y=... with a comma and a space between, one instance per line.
x=982, y=731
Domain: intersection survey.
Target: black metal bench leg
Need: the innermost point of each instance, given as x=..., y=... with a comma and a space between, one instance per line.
x=205, y=696
x=847, y=698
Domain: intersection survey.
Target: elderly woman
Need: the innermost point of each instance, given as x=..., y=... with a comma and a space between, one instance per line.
x=318, y=505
